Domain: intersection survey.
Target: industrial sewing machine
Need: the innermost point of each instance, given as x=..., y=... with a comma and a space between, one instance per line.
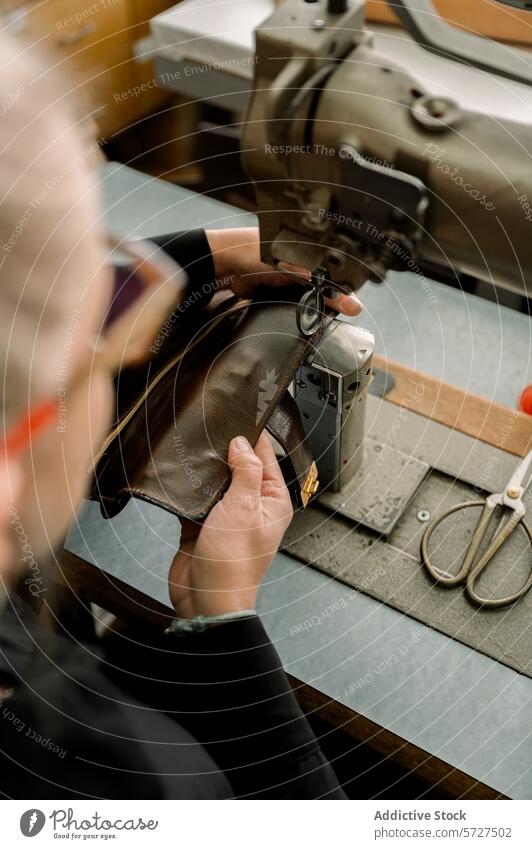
x=358, y=169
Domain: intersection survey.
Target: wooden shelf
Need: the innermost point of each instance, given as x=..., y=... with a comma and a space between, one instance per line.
x=92, y=49
x=483, y=17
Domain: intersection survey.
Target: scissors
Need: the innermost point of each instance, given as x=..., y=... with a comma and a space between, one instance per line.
x=471, y=569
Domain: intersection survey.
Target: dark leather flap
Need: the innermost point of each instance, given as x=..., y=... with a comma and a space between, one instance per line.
x=231, y=389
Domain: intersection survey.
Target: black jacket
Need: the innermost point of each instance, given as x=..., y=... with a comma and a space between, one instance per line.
x=151, y=716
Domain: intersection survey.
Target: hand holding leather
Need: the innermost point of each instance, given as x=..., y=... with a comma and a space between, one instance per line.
x=221, y=563
x=236, y=258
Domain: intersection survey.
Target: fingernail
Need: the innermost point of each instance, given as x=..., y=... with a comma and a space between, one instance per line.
x=240, y=443
x=355, y=305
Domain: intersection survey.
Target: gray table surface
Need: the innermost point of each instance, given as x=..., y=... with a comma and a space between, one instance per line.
x=451, y=701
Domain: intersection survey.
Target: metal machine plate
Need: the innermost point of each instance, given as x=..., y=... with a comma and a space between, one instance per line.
x=380, y=490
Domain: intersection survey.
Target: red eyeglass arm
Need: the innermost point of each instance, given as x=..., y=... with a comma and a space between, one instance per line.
x=19, y=437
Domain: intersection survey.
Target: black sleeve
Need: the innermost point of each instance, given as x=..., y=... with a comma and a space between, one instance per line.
x=227, y=687
x=192, y=251
x=150, y=716
x=67, y=731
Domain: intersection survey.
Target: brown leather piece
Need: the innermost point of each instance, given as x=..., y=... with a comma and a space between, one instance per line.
x=173, y=450
x=148, y=395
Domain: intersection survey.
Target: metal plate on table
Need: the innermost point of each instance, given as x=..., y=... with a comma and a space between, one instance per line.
x=378, y=493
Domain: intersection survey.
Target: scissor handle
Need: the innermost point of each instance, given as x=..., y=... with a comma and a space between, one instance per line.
x=508, y=528
x=472, y=549
x=471, y=571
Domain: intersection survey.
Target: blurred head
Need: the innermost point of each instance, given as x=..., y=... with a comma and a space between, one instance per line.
x=54, y=290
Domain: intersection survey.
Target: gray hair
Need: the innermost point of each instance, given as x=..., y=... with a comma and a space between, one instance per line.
x=48, y=209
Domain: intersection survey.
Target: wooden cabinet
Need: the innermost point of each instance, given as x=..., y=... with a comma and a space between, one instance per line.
x=91, y=45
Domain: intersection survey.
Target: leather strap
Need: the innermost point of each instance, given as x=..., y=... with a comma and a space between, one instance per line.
x=299, y=468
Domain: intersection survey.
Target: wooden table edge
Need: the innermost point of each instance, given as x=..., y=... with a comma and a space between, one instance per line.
x=457, y=408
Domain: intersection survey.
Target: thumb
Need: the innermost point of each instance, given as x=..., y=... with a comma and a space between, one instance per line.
x=246, y=468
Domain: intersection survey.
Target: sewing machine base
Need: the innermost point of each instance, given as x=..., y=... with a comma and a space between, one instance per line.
x=388, y=568
x=379, y=491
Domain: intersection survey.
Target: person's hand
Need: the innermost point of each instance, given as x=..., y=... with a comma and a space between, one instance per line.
x=236, y=256
x=220, y=564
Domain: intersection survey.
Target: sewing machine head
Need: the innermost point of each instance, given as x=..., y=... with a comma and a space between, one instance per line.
x=359, y=170
x=323, y=204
